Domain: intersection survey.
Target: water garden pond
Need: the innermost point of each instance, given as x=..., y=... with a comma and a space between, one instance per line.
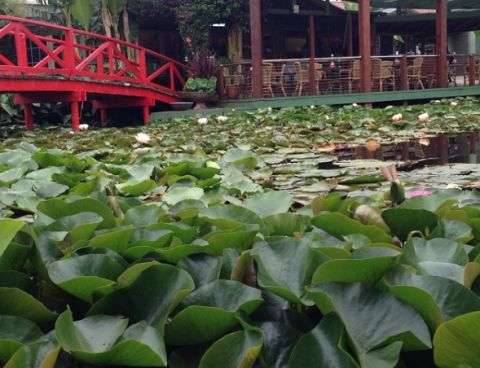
x=258, y=239
x=304, y=151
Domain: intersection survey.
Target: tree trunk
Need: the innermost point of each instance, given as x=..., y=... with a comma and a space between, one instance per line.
x=235, y=42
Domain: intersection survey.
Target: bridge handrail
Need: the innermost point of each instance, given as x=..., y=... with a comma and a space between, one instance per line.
x=68, y=45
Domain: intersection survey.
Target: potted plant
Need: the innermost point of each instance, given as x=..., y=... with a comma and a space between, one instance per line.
x=201, y=86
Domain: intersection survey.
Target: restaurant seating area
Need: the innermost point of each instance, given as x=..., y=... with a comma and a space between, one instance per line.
x=340, y=75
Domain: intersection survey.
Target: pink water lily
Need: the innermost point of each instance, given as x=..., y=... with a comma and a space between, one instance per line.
x=418, y=193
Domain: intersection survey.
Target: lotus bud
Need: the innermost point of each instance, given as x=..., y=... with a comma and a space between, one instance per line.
x=397, y=117
x=423, y=118
x=397, y=192
x=202, y=121
x=142, y=138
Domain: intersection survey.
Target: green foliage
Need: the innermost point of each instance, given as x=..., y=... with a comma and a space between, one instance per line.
x=194, y=18
x=201, y=84
x=181, y=254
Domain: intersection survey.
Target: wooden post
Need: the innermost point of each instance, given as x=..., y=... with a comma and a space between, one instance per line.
x=256, y=44
x=472, y=68
x=441, y=43
x=27, y=113
x=21, y=48
x=350, y=35
x=103, y=116
x=403, y=73
x=365, y=51
x=146, y=115
x=312, y=88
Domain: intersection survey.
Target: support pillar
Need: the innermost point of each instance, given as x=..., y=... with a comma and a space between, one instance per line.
x=365, y=45
x=256, y=44
x=472, y=69
x=75, y=110
x=146, y=115
x=441, y=43
x=103, y=115
x=312, y=87
x=27, y=113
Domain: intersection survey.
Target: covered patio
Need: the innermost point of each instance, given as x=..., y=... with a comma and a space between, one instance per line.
x=367, y=72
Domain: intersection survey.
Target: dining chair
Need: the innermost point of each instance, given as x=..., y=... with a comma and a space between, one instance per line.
x=267, y=79
x=354, y=75
x=302, y=78
x=278, y=77
x=382, y=71
x=414, y=73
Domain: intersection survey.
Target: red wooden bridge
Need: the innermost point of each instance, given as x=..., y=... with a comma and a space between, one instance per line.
x=44, y=62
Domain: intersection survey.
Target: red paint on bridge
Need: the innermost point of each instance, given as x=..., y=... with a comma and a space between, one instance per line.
x=44, y=62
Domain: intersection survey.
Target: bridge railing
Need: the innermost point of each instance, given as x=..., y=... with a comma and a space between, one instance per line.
x=35, y=48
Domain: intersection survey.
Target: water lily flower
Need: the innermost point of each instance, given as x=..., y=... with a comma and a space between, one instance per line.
x=397, y=117
x=312, y=106
x=202, y=121
x=454, y=103
x=354, y=104
x=72, y=132
x=83, y=127
x=437, y=101
x=269, y=109
x=453, y=186
x=142, y=138
x=423, y=118
x=388, y=107
x=233, y=110
x=222, y=119
x=418, y=193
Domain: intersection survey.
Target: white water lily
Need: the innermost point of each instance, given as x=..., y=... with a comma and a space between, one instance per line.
x=453, y=186
x=437, y=101
x=312, y=106
x=423, y=118
x=233, y=110
x=388, y=107
x=269, y=109
x=142, y=138
x=454, y=103
x=397, y=117
x=83, y=127
x=72, y=132
x=222, y=119
x=354, y=104
x=202, y=121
